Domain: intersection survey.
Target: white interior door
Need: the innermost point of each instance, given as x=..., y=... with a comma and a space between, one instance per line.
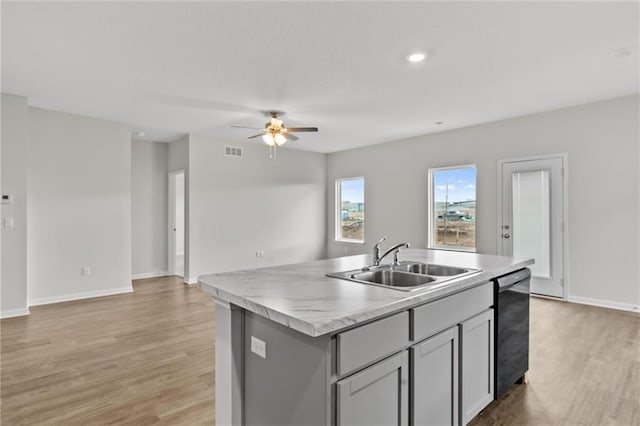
x=532, y=219
x=176, y=224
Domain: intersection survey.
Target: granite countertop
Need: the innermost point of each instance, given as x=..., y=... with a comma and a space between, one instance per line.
x=301, y=297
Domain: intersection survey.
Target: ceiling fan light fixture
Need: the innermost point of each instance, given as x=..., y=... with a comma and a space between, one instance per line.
x=279, y=139
x=276, y=134
x=268, y=139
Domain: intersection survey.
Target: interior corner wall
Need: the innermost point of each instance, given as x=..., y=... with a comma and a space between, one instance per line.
x=149, y=206
x=243, y=205
x=79, y=216
x=178, y=159
x=602, y=143
x=13, y=284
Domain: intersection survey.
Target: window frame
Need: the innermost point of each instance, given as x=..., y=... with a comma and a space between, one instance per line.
x=432, y=219
x=338, y=210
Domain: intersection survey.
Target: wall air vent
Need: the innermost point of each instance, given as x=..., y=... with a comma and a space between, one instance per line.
x=232, y=151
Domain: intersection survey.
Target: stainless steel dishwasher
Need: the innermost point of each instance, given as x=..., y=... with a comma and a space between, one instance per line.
x=511, y=303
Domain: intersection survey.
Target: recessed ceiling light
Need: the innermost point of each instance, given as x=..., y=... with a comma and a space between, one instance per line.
x=621, y=52
x=416, y=57
x=138, y=134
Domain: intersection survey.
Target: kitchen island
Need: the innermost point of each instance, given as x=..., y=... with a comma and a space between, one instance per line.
x=294, y=346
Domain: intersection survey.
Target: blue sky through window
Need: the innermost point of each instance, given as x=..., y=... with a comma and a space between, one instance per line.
x=459, y=183
x=352, y=190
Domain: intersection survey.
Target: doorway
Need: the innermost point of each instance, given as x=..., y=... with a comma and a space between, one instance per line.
x=533, y=217
x=176, y=228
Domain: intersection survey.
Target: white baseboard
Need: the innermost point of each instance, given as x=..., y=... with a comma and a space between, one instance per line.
x=191, y=281
x=78, y=296
x=150, y=275
x=604, y=303
x=11, y=313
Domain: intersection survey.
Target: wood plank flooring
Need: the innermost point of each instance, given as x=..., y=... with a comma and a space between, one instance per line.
x=148, y=358
x=584, y=369
x=140, y=358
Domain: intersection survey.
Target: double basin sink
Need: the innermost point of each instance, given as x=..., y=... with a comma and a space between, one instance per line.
x=405, y=276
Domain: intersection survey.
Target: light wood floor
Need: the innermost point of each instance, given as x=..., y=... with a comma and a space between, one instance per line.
x=140, y=358
x=147, y=358
x=584, y=369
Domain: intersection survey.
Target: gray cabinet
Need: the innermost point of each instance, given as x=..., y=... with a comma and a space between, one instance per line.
x=476, y=348
x=364, y=345
x=434, y=390
x=378, y=395
x=430, y=365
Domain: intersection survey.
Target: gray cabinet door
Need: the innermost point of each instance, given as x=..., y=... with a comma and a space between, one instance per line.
x=476, y=349
x=434, y=392
x=378, y=395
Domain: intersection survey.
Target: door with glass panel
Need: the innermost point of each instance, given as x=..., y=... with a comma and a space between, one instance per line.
x=532, y=224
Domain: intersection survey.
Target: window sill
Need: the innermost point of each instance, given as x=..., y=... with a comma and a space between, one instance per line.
x=460, y=249
x=349, y=241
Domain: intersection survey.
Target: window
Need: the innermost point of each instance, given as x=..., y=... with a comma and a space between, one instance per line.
x=452, y=208
x=350, y=210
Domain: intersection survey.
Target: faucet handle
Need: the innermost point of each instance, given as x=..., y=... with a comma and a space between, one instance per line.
x=380, y=241
x=397, y=251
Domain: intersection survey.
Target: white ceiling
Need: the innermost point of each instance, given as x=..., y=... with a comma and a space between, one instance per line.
x=175, y=67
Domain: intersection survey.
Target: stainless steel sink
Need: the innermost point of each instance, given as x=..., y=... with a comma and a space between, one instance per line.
x=431, y=269
x=393, y=278
x=405, y=276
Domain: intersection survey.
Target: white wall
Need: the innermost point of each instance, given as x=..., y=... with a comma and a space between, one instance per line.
x=79, y=213
x=241, y=205
x=13, y=288
x=602, y=142
x=179, y=160
x=149, y=175
x=179, y=214
x=179, y=154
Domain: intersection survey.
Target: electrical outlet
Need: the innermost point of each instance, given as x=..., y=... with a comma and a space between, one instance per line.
x=8, y=222
x=258, y=347
x=259, y=253
x=86, y=271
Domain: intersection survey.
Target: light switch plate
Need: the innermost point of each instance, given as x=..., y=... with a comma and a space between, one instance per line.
x=8, y=222
x=258, y=347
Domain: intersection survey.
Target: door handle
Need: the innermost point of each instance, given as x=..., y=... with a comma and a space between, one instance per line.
x=506, y=236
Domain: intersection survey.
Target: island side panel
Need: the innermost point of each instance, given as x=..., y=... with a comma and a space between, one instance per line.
x=229, y=363
x=288, y=381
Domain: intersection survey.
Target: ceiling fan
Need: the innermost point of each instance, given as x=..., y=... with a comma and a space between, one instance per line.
x=275, y=133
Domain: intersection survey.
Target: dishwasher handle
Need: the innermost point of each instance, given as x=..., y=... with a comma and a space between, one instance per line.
x=514, y=278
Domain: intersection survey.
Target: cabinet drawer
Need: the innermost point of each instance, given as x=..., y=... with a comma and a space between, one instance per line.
x=362, y=345
x=436, y=316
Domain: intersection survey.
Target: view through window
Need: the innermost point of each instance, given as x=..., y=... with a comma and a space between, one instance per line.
x=350, y=209
x=453, y=208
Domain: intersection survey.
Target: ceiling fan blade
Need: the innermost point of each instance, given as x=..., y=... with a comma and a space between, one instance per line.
x=255, y=136
x=291, y=137
x=302, y=129
x=247, y=127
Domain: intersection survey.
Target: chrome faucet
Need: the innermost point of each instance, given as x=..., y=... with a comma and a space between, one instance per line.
x=377, y=258
x=376, y=252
